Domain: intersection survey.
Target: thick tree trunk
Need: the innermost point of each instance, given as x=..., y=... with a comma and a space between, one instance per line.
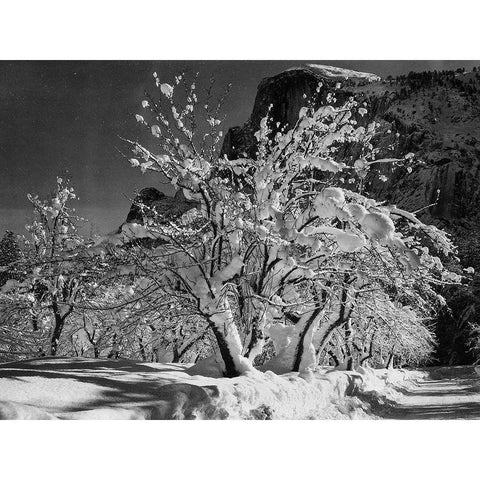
x=390, y=360
x=176, y=354
x=228, y=339
x=348, y=343
x=227, y=356
x=58, y=328
x=57, y=331
x=293, y=344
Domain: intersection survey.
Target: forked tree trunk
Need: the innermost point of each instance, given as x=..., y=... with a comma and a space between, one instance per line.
x=305, y=338
x=293, y=344
x=58, y=328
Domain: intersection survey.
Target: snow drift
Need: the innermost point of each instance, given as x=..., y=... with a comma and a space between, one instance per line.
x=72, y=388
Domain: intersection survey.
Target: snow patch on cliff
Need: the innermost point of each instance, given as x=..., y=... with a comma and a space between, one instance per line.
x=336, y=73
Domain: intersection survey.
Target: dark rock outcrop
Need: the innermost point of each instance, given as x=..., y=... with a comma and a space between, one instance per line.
x=150, y=203
x=282, y=97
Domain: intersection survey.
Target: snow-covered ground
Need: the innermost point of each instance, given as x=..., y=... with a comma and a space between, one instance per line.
x=75, y=388
x=447, y=393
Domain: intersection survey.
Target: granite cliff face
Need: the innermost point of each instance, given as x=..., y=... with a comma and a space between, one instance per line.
x=436, y=116
x=284, y=95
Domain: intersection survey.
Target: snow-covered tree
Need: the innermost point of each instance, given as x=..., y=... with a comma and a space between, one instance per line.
x=124, y=318
x=284, y=246
x=9, y=254
x=380, y=330
x=55, y=268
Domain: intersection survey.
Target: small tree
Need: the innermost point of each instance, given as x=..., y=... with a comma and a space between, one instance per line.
x=56, y=269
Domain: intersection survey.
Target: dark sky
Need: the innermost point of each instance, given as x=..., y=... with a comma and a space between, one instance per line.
x=67, y=116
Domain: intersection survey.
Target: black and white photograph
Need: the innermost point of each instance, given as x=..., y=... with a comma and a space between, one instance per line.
x=226, y=236
x=181, y=252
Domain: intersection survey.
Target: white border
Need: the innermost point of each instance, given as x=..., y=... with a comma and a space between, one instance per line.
x=239, y=450
x=241, y=29
x=244, y=29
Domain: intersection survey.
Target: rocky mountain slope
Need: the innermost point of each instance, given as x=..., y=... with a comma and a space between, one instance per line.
x=436, y=116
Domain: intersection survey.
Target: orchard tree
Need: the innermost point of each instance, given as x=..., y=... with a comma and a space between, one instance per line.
x=127, y=316
x=283, y=246
x=380, y=330
x=56, y=269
